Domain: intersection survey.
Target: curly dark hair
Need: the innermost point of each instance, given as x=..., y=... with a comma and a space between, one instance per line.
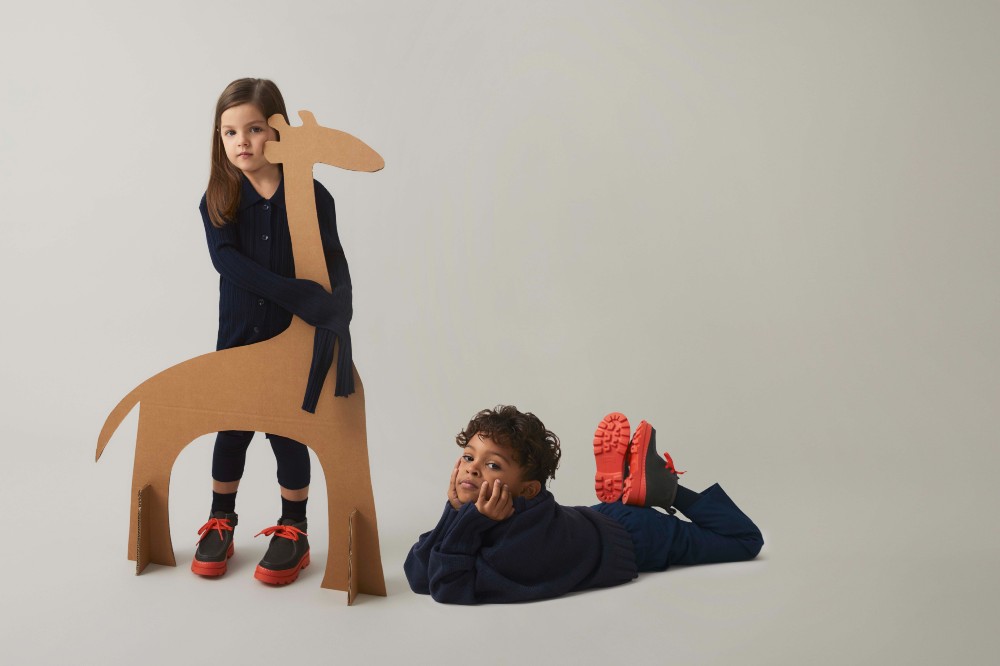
x=535, y=448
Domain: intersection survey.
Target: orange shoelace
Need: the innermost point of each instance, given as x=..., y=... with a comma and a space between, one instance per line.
x=217, y=524
x=286, y=531
x=670, y=465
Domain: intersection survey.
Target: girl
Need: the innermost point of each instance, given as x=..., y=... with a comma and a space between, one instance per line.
x=246, y=225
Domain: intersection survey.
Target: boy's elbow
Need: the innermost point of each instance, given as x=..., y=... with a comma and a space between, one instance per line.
x=454, y=589
x=446, y=595
x=753, y=543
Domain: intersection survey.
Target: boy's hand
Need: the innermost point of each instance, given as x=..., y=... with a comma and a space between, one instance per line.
x=496, y=503
x=452, y=491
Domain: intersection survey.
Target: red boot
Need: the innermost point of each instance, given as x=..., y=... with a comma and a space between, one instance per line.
x=287, y=554
x=215, y=546
x=611, y=454
x=652, y=481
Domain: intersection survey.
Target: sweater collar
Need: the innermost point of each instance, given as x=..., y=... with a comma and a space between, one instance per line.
x=250, y=196
x=522, y=504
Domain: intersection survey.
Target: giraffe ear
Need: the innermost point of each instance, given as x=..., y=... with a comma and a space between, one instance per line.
x=307, y=118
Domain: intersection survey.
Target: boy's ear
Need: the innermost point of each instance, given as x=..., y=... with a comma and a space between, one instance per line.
x=530, y=489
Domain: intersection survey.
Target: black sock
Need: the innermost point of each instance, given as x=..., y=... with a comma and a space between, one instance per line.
x=292, y=510
x=223, y=502
x=685, y=498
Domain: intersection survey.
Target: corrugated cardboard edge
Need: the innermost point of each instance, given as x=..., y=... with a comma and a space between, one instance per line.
x=142, y=548
x=352, y=561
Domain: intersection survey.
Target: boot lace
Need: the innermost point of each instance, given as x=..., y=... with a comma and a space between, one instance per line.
x=217, y=524
x=286, y=531
x=670, y=465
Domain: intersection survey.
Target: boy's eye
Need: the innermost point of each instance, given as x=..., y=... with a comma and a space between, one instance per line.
x=467, y=458
x=493, y=466
x=256, y=129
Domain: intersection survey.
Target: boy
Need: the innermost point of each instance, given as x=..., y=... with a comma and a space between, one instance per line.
x=503, y=538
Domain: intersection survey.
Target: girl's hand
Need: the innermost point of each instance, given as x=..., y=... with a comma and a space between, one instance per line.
x=452, y=490
x=496, y=503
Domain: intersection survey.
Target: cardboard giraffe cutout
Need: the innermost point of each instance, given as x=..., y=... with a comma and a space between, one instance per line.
x=259, y=387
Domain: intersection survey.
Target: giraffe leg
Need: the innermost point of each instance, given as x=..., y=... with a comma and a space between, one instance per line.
x=157, y=445
x=353, y=530
x=149, y=519
x=338, y=527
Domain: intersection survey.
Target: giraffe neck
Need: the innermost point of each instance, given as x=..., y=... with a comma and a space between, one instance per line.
x=303, y=224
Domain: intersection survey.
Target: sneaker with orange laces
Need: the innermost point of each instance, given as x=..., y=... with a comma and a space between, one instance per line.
x=610, y=454
x=287, y=554
x=215, y=546
x=652, y=481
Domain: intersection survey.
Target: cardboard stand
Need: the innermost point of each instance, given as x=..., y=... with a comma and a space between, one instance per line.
x=141, y=531
x=259, y=387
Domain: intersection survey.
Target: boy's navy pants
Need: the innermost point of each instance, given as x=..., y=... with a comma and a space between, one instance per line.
x=718, y=532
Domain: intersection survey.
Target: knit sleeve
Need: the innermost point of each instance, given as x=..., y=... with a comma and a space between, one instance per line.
x=418, y=559
x=333, y=251
x=340, y=282
x=303, y=298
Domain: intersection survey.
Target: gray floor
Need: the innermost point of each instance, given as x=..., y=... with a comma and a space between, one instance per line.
x=771, y=229
x=844, y=578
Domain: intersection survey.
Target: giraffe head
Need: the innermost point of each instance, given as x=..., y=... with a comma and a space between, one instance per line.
x=311, y=143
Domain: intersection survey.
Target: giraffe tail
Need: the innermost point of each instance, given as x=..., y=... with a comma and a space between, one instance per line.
x=116, y=417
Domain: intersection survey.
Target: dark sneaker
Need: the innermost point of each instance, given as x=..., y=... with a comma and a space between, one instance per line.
x=287, y=554
x=611, y=454
x=652, y=481
x=215, y=546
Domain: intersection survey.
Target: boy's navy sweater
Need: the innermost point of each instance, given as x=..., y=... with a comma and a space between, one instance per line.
x=544, y=550
x=258, y=291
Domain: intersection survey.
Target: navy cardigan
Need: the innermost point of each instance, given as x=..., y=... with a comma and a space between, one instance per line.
x=258, y=291
x=544, y=550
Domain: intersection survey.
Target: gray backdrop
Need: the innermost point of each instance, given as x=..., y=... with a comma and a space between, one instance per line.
x=769, y=228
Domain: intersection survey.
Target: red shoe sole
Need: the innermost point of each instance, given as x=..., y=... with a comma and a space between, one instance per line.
x=283, y=577
x=635, y=484
x=610, y=448
x=212, y=568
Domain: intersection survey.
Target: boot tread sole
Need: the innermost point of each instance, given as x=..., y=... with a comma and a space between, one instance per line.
x=611, y=442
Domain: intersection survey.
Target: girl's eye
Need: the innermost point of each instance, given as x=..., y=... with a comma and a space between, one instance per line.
x=256, y=129
x=495, y=467
x=229, y=132
x=467, y=458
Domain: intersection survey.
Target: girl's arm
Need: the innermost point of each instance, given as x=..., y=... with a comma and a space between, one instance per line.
x=333, y=251
x=303, y=298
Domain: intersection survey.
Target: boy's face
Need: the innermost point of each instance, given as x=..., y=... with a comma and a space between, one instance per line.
x=485, y=461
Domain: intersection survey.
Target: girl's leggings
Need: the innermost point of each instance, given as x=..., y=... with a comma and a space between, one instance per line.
x=230, y=456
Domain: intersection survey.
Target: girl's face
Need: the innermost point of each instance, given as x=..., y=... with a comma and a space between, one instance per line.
x=244, y=131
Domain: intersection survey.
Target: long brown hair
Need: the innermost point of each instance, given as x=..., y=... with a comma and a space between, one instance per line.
x=223, y=193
